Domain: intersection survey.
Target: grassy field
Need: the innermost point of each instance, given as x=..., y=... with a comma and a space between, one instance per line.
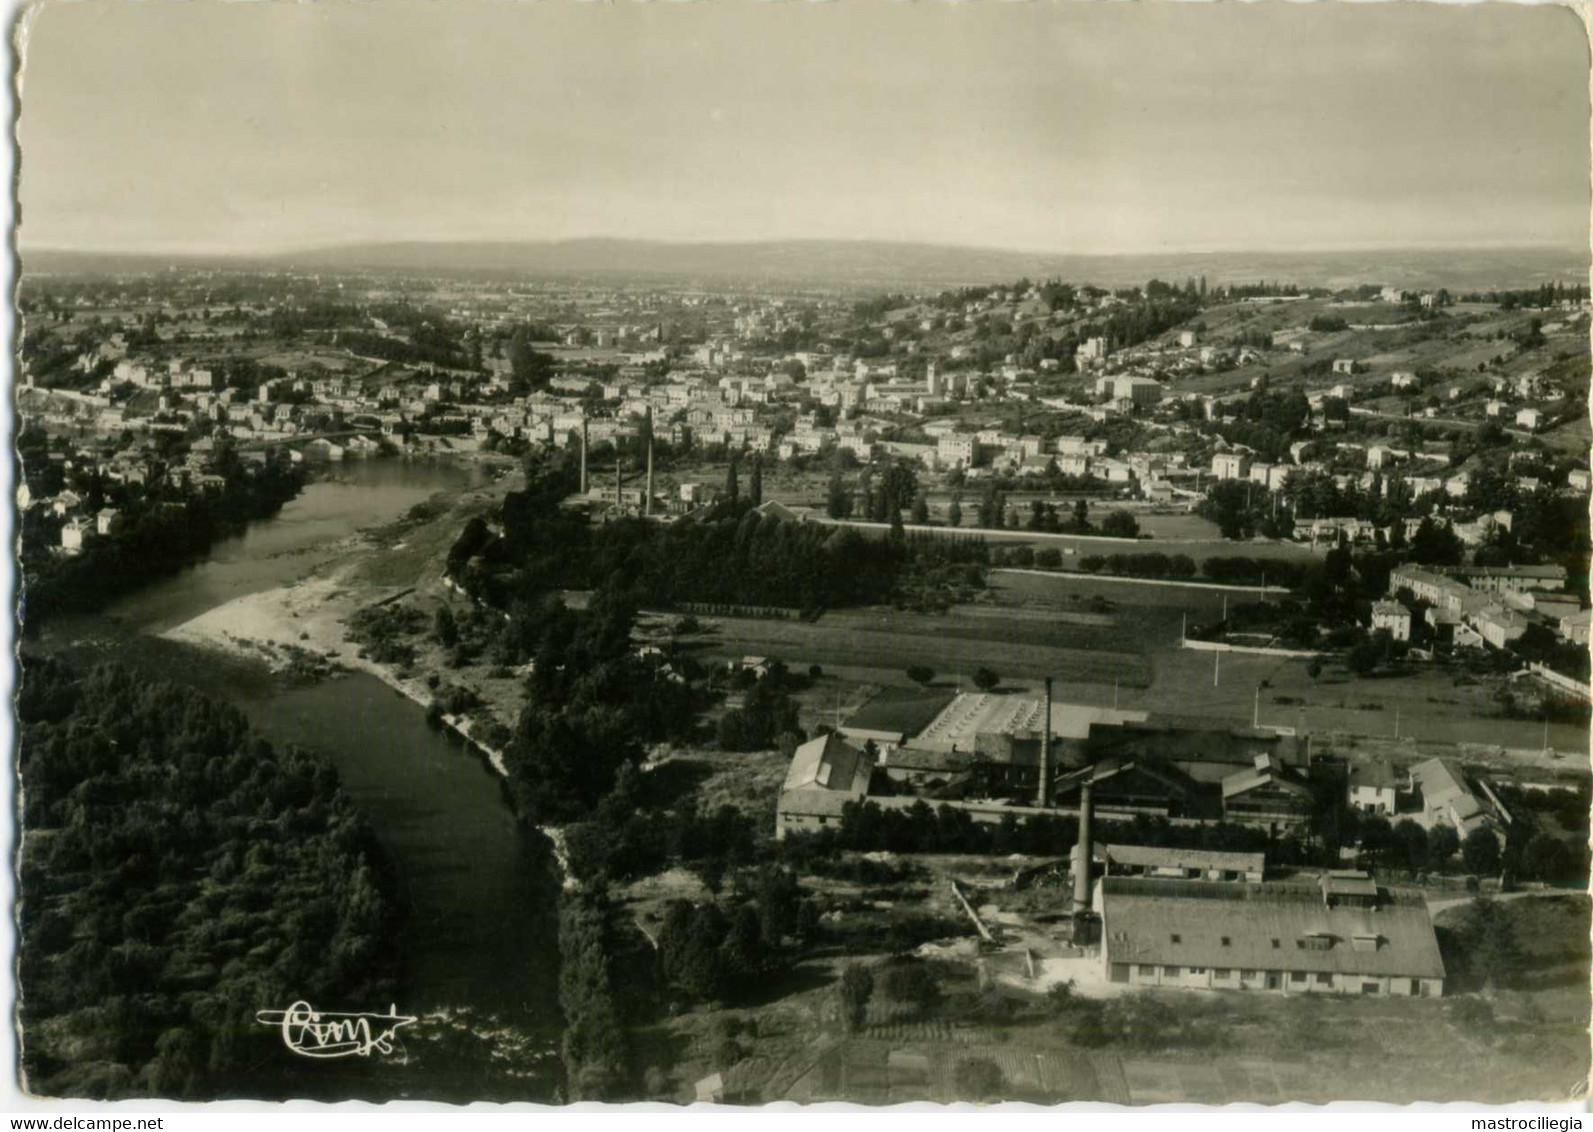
x=880, y=644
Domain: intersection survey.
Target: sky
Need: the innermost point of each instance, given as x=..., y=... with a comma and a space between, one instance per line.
x=1051, y=125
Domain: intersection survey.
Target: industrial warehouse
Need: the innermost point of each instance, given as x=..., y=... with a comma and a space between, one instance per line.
x=1343, y=935
x=992, y=755
x=1150, y=916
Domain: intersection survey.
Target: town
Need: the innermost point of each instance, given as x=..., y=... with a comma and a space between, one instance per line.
x=1007, y=648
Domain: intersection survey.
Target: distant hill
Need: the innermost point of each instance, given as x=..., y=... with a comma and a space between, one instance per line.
x=872, y=265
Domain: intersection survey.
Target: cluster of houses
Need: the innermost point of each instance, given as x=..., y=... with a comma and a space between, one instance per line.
x=1469, y=606
x=195, y=474
x=1432, y=793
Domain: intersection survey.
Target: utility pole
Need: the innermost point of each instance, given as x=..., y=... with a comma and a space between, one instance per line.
x=1396, y=721
x=1255, y=715
x=1216, y=669
x=1183, y=634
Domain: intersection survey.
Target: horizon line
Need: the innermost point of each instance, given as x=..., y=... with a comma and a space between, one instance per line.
x=22, y=248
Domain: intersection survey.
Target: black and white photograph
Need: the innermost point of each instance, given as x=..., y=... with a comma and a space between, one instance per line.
x=744, y=553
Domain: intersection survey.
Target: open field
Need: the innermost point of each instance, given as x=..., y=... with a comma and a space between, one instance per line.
x=887, y=641
x=1430, y=706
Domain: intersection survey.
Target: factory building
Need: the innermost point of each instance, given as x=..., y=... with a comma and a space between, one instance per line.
x=1344, y=934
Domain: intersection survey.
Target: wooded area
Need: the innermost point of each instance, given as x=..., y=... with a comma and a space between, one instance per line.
x=178, y=874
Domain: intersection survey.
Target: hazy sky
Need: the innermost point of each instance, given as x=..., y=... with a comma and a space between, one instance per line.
x=1050, y=125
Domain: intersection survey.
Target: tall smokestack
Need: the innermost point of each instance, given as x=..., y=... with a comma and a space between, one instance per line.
x=1085, y=850
x=1045, y=749
x=584, y=486
x=647, y=504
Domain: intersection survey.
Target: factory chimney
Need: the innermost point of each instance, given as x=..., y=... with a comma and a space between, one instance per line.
x=1045, y=749
x=583, y=456
x=647, y=503
x=1084, y=851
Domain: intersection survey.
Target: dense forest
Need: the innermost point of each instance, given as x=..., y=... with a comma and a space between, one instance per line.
x=179, y=874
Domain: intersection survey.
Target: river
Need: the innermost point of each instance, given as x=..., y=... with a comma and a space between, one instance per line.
x=479, y=893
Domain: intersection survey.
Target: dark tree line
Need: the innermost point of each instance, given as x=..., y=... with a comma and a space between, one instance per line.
x=731, y=555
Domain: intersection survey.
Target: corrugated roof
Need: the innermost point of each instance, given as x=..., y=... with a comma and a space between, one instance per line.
x=1276, y=927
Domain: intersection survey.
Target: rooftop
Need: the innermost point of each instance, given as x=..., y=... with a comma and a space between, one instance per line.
x=1159, y=856
x=972, y=713
x=1266, y=927
x=830, y=763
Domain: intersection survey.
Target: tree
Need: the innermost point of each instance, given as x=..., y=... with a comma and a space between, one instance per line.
x=912, y=985
x=445, y=627
x=732, y=488
x=1442, y=845
x=991, y=505
x=985, y=679
x=856, y=988
x=838, y=501
x=529, y=368
x=954, y=512
x=920, y=509
x=1363, y=657
x=1081, y=515
x=1480, y=852
x=1120, y=524
x=899, y=487
x=1488, y=936
x=1435, y=544
x=1410, y=844
x=1546, y=857
x=755, y=484
x=595, y=1047
x=920, y=673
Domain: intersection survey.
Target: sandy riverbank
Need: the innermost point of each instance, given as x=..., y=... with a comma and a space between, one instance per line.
x=279, y=625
